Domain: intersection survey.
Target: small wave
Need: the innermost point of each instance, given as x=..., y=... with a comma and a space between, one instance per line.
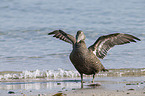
x=61, y=73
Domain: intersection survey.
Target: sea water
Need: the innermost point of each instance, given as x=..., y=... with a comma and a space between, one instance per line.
x=26, y=50
x=25, y=45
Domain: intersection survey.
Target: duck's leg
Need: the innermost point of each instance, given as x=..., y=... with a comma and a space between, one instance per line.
x=81, y=80
x=93, y=78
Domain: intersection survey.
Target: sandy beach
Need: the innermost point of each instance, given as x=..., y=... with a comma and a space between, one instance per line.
x=95, y=92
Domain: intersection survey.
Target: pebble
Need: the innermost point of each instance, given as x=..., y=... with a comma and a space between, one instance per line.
x=63, y=88
x=11, y=92
x=58, y=94
x=131, y=89
x=130, y=84
x=94, y=85
x=141, y=83
x=58, y=83
x=73, y=89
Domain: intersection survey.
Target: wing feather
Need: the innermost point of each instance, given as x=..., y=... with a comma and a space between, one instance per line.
x=63, y=36
x=106, y=42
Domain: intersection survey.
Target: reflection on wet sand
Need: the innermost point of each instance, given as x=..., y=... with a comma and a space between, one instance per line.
x=68, y=84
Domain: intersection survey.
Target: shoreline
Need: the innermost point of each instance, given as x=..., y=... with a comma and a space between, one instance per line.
x=62, y=74
x=116, y=82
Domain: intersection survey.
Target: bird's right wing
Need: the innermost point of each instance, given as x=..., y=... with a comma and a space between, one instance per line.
x=63, y=36
x=106, y=42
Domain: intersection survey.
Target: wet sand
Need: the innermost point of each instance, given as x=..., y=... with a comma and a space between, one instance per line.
x=94, y=92
x=110, y=86
x=128, y=86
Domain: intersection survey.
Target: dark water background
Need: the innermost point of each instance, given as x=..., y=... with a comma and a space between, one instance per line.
x=24, y=25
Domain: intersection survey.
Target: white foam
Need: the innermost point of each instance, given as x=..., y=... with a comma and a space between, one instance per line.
x=60, y=73
x=143, y=70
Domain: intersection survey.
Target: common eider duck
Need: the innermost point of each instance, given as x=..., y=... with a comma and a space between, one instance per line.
x=84, y=59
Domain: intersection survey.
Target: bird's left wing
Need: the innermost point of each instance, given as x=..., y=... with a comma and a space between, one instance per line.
x=63, y=36
x=104, y=43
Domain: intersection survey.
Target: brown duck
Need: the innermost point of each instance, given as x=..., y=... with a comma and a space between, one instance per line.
x=85, y=59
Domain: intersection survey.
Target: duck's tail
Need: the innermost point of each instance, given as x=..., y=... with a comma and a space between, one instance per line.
x=105, y=70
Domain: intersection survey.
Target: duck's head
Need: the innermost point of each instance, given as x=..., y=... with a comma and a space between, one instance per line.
x=80, y=36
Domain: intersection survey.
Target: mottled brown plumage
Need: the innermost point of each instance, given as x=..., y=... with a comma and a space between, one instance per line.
x=85, y=59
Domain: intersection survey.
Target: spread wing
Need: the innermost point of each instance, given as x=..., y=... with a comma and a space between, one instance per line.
x=104, y=43
x=63, y=36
